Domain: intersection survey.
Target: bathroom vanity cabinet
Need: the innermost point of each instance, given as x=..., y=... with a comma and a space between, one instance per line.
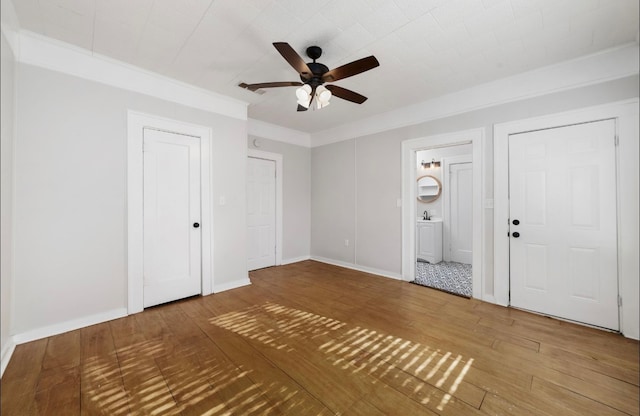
x=429, y=240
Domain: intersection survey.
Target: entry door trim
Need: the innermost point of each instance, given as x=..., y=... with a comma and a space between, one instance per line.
x=626, y=115
x=277, y=158
x=136, y=123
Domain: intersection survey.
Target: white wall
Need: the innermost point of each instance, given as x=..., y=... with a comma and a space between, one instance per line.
x=367, y=169
x=296, y=196
x=377, y=217
x=333, y=201
x=6, y=193
x=70, y=195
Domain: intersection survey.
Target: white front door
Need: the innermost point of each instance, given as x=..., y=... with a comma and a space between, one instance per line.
x=563, y=251
x=461, y=212
x=172, y=252
x=261, y=213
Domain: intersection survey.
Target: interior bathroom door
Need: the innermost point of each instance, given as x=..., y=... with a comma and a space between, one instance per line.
x=461, y=212
x=261, y=213
x=172, y=244
x=563, y=248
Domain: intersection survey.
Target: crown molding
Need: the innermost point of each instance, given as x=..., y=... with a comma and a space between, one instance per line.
x=44, y=52
x=38, y=50
x=274, y=132
x=592, y=69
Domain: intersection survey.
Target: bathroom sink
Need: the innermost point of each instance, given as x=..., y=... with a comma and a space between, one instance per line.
x=433, y=219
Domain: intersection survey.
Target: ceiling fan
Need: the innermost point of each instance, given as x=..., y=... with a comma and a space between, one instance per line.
x=314, y=74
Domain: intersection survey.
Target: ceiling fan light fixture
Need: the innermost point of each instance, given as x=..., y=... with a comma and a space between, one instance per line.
x=304, y=103
x=304, y=95
x=323, y=96
x=304, y=92
x=320, y=104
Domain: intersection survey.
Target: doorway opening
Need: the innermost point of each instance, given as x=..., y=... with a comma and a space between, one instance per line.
x=442, y=192
x=444, y=236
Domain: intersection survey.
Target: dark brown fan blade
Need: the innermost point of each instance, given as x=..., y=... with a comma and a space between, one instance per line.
x=351, y=69
x=346, y=94
x=291, y=56
x=254, y=87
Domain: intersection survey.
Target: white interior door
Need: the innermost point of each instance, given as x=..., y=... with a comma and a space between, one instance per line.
x=563, y=251
x=461, y=212
x=172, y=252
x=261, y=213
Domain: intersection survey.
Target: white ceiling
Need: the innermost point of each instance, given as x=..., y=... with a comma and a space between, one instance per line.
x=426, y=48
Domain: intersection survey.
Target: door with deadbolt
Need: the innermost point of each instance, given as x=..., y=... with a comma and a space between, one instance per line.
x=563, y=248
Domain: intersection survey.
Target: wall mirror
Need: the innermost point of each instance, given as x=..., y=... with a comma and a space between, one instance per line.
x=429, y=188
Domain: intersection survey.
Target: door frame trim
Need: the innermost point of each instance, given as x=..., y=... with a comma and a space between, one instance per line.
x=626, y=115
x=136, y=123
x=409, y=211
x=277, y=158
x=446, y=195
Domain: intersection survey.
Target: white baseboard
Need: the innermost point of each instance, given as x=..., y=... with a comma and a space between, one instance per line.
x=7, y=352
x=295, y=260
x=231, y=285
x=59, y=328
x=358, y=267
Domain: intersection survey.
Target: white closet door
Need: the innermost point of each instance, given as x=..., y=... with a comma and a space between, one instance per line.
x=261, y=213
x=562, y=187
x=172, y=253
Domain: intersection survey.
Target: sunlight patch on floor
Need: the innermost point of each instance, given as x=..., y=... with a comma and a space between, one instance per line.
x=215, y=387
x=420, y=371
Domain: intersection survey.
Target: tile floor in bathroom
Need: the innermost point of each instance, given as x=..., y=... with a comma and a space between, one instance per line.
x=447, y=276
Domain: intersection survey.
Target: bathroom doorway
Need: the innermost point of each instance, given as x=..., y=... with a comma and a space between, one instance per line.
x=428, y=166
x=445, y=219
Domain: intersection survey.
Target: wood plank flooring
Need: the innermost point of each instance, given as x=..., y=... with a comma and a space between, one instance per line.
x=314, y=339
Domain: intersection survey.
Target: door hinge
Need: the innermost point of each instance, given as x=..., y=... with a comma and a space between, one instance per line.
x=616, y=140
x=619, y=300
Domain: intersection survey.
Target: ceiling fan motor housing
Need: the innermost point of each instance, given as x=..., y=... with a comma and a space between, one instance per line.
x=318, y=69
x=314, y=52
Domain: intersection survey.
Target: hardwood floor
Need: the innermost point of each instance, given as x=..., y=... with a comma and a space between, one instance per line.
x=314, y=339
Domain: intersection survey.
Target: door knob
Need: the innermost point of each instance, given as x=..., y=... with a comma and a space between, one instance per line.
x=516, y=234
x=516, y=222
x=196, y=225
